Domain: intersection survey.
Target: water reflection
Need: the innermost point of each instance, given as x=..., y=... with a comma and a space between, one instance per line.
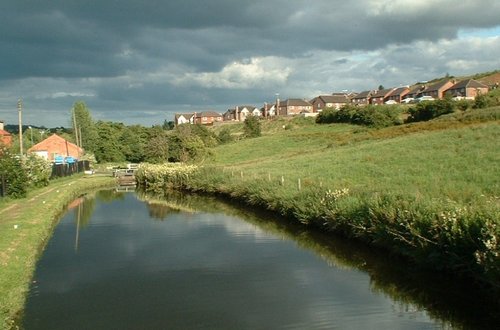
x=189, y=268
x=452, y=303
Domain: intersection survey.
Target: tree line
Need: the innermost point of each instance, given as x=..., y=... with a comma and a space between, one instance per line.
x=115, y=142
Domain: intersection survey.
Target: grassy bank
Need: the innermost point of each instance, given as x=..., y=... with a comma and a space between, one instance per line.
x=429, y=191
x=25, y=226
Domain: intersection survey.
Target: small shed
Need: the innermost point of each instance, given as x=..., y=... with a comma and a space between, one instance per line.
x=55, y=148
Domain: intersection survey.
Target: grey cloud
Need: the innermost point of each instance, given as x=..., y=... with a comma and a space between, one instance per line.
x=126, y=55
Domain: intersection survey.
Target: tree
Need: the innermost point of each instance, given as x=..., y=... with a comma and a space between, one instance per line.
x=168, y=125
x=380, y=87
x=107, y=146
x=251, y=127
x=133, y=142
x=157, y=148
x=85, y=126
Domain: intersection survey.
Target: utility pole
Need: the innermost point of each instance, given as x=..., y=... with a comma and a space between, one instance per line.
x=20, y=109
x=75, y=127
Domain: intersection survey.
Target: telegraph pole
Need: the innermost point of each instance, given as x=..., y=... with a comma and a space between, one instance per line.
x=20, y=109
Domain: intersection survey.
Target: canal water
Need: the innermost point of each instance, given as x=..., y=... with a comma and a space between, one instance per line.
x=130, y=261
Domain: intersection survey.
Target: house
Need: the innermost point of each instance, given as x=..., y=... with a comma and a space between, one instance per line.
x=207, y=117
x=437, y=90
x=294, y=107
x=55, y=146
x=183, y=118
x=397, y=95
x=268, y=110
x=335, y=101
x=467, y=89
x=415, y=91
x=240, y=113
x=380, y=96
x=5, y=137
x=362, y=98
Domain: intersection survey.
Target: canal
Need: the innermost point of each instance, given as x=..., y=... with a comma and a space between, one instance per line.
x=126, y=260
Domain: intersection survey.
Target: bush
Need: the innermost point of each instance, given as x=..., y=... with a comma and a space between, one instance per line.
x=370, y=115
x=428, y=110
x=38, y=170
x=225, y=136
x=13, y=174
x=251, y=127
x=481, y=102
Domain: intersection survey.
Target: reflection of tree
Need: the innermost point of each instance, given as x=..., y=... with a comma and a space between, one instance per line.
x=110, y=195
x=160, y=211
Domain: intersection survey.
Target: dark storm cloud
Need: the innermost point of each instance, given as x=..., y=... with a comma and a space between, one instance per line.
x=85, y=38
x=129, y=55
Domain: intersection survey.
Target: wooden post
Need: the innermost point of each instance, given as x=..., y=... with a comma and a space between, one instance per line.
x=299, y=185
x=269, y=176
x=241, y=174
x=282, y=180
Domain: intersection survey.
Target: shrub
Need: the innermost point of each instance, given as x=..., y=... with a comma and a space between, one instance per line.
x=251, y=127
x=428, y=110
x=14, y=175
x=38, y=170
x=371, y=115
x=481, y=102
x=225, y=135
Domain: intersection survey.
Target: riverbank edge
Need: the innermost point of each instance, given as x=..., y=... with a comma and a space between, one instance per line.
x=29, y=224
x=248, y=199
x=434, y=236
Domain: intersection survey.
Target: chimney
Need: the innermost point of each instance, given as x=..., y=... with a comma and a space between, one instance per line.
x=237, y=114
x=1, y=125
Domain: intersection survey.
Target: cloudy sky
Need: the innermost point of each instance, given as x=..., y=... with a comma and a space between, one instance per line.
x=139, y=62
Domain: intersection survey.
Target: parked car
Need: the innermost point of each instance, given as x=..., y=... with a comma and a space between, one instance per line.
x=424, y=98
x=391, y=102
x=407, y=100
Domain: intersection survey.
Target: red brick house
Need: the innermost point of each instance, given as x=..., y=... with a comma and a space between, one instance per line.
x=380, y=96
x=415, y=91
x=467, y=89
x=437, y=90
x=5, y=137
x=54, y=146
x=398, y=94
x=322, y=102
x=207, y=117
x=294, y=107
x=362, y=98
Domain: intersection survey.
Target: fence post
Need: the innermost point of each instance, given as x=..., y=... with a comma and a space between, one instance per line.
x=300, y=187
x=282, y=180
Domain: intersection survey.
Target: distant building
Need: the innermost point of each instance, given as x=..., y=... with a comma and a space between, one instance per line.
x=294, y=107
x=335, y=101
x=5, y=137
x=183, y=118
x=467, y=89
x=207, y=117
x=362, y=98
x=56, y=147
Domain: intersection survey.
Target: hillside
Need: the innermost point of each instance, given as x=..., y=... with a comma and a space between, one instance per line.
x=453, y=157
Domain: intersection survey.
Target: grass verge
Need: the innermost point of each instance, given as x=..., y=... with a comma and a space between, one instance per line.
x=25, y=227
